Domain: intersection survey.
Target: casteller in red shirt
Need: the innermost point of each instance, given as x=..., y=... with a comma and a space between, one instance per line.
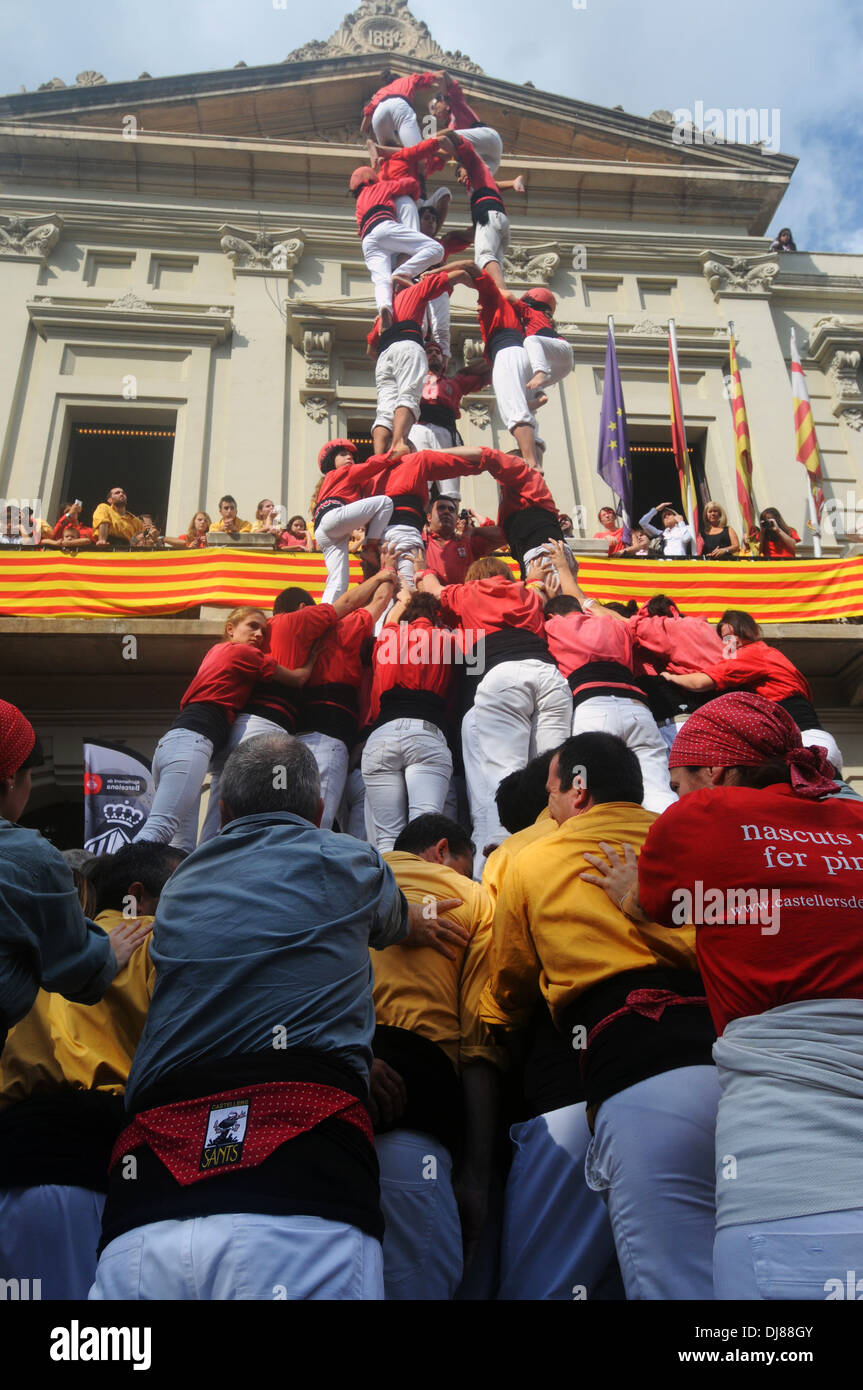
x=227, y=676
x=759, y=667
x=291, y=636
x=683, y=645
x=405, y=87
x=805, y=939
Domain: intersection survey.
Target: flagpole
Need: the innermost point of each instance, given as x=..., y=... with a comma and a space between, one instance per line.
x=810, y=494
x=687, y=481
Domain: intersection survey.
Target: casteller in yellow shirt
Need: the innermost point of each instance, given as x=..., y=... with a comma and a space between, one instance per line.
x=498, y=863
x=61, y=1046
x=555, y=933
x=419, y=989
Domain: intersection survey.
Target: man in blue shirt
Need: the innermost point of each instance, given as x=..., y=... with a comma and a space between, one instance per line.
x=262, y=1013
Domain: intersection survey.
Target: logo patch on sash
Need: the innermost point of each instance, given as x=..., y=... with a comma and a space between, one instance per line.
x=226, y=1130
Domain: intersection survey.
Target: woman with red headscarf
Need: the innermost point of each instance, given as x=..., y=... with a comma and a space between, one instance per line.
x=768, y=864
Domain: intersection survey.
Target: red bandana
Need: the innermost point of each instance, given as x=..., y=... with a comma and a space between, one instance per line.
x=745, y=730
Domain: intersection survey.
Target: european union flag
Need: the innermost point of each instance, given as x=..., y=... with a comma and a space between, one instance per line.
x=613, y=463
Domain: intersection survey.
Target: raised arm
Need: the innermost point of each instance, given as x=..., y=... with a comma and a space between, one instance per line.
x=359, y=596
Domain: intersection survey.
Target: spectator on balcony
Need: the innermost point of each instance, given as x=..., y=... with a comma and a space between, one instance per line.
x=73, y=538
x=776, y=539
x=113, y=524
x=639, y=546
x=268, y=518
x=721, y=541
x=71, y=519
x=784, y=241
x=610, y=532
x=566, y=525
x=195, y=535
x=149, y=537
x=678, y=539
x=296, y=536
x=228, y=520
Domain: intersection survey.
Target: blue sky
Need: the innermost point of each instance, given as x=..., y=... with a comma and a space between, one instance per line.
x=799, y=57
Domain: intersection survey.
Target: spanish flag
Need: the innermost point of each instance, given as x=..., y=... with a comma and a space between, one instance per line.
x=742, y=446
x=804, y=427
x=678, y=437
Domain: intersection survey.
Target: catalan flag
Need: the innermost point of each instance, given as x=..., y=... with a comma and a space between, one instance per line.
x=146, y=584
x=678, y=437
x=742, y=446
x=804, y=427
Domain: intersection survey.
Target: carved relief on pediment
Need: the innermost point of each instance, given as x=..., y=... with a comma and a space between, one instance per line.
x=383, y=27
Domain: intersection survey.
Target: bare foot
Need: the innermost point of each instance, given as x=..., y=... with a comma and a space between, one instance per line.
x=386, y=317
x=537, y=381
x=536, y=399
x=374, y=157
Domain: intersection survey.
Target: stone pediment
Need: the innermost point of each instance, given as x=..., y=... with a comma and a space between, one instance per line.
x=317, y=94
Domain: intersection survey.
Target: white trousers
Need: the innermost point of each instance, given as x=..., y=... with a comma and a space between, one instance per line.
x=334, y=532
x=179, y=767
x=439, y=322
x=331, y=756
x=51, y=1234
x=405, y=539
x=352, y=812
x=633, y=722
x=389, y=239
x=487, y=144
x=241, y=1256
x=509, y=376
x=799, y=1258
x=394, y=122
x=556, y=1242
x=551, y=355
x=422, y=1240
x=652, y=1154
x=244, y=727
x=491, y=239
x=521, y=708
x=407, y=213
x=407, y=766
x=436, y=437
x=480, y=793
x=399, y=375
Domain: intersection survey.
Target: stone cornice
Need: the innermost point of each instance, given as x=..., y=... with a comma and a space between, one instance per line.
x=256, y=169
x=55, y=315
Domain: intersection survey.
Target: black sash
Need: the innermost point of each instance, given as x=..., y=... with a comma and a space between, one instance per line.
x=402, y=331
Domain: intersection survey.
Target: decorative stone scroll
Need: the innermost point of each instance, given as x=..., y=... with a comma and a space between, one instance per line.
x=530, y=265
x=739, y=275
x=29, y=236
x=252, y=249
x=317, y=349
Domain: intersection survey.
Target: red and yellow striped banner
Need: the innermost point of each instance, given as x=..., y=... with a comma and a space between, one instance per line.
x=40, y=584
